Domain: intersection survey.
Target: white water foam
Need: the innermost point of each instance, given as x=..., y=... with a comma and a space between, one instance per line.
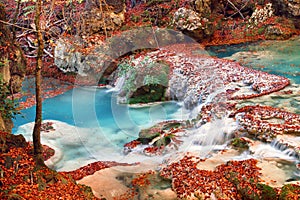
x=118, y=85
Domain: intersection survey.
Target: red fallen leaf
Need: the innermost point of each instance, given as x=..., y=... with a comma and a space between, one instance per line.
x=132, y=144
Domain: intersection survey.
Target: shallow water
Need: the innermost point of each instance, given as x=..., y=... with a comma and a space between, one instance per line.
x=91, y=107
x=275, y=57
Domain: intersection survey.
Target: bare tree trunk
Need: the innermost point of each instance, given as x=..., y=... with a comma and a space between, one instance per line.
x=38, y=149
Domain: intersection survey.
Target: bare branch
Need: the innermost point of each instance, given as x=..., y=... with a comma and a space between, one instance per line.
x=10, y=24
x=238, y=10
x=48, y=53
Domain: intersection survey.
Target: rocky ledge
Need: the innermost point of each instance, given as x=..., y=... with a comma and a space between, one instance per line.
x=189, y=66
x=267, y=122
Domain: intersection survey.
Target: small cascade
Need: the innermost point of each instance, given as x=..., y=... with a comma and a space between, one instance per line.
x=211, y=136
x=203, y=101
x=278, y=145
x=283, y=147
x=276, y=151
x=118, y=85
x=279, y=152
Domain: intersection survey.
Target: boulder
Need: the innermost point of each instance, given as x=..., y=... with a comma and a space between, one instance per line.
x=75, y=55
x=192, y=23
x=102, y=16
x=288, y=8
x=8, y=141
x=274, y=32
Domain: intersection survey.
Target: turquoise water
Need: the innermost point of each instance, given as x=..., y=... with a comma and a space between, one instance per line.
x=275, y=57
x=91, y=107
x=96, y=126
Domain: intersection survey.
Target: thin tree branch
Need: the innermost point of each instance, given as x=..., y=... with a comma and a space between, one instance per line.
x=15, y=19
x=10, y=24
x=239, y=11
x=48, y=53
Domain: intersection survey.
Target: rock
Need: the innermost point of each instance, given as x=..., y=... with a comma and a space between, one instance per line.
x=288, y=8
x=230, y=10
x=75, y=55
x=260, y=15
x=12, y=67
x=69, y=59
x=146, y=135
x=103, y=16
x=274, y=32
x=8, y=141
x=192, y=23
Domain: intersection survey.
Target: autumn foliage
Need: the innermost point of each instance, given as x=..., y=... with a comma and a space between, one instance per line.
x=21, y=180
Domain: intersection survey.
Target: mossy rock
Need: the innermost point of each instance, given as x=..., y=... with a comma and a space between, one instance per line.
x=148, y=94
x=239, y=144
x=267, y=192
x=290, y=191
x=170, y=125
x=163, y=141
x=146, y=135
x=87, y=191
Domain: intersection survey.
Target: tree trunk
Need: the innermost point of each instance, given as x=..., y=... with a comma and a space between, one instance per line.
x=38, y=149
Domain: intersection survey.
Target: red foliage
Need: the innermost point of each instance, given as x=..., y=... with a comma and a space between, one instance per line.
x=255, y=119
x=132, y=144
x=227, y=180
x=94, y=167
x=20, y=179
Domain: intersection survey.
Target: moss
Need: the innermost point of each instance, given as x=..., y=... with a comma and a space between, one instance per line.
x=267, y=192
x=171, y=125
x=255, y=191
x=163, y=141
x=156, y=94
x=239, y=144
x=147, y=136
x=87, y=191
x=103, y=80
x=14, y=197
x=261, y=30
x=135, y=18
x=290, y=191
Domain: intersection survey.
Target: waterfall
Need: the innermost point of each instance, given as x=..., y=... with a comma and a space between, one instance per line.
x=210, y=136
x=118, y=84
x=207, y=100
